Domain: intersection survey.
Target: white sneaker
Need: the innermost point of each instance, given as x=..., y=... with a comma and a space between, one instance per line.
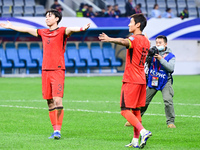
x=144, y=138
x=135, y=145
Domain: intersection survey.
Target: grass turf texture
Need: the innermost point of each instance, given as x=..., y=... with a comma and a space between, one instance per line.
x=92, y=117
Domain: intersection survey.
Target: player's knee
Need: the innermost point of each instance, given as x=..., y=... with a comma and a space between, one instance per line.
x=58, y=101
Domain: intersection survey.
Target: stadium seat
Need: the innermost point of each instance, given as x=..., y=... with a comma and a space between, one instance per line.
x=24, y=55
x=97, y=54
x=1, y=3
x=73, y=55
x=39, y=10
x=28, y=11
x=18, y=3
x=36, y=54
x=7, y=3
x=181, y=3
x=161, y=3
x=29, y=2
x=3, y=61
x=17, y=11
x=12, y=55
x=86, y=55
x=109, y=54
x=192, y=12
x=6, y=11
x=68, y=63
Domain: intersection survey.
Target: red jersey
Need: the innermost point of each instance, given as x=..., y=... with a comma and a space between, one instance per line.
x=54, y=43
x=135, y=59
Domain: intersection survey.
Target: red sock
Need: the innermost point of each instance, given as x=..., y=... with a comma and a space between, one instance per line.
x=132, y=119
x=60, y=114
x=53, y=118
x=138, y=115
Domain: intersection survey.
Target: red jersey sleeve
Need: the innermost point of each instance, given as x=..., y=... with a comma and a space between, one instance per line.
x=131, y=40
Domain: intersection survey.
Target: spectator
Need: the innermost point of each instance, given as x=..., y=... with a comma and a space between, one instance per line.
x=101, y=13
x=57, y=6
x=168, y=13
x=79, y=12
x=129, y=8
x=117, y=11
x=184, y=14
x=155, y=13
x=138, y=8
x=90, y=12
x=110, y=12
x=86, y=7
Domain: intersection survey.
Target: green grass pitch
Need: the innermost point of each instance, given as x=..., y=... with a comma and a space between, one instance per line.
x=92, y=119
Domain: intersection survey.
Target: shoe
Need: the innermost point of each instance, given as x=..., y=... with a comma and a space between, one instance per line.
x=132, y=145
x=127, y=124
x=171, y=126
x=52, y=136
x=57, y=135
x=144, y=139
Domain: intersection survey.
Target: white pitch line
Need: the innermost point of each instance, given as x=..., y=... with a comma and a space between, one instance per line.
x=92, y=101
x=94, y=111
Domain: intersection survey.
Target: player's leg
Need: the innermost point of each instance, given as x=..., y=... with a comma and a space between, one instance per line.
x=58, y=78
x=168, y=94
x=47, y=94
x=150, y=93
x=134, y=96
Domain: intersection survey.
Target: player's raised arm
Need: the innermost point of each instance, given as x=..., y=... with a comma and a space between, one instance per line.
x=71, y=30
x=19, y=29
x=121, y=41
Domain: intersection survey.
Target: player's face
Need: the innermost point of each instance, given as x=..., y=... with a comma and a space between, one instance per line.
x=132, y=25
x=51, y=19
x=160, y=42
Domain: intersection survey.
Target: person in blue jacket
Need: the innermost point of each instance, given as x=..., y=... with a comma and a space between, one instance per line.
x=161, y=63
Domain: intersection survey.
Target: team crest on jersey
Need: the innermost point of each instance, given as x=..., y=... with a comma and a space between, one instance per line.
x=131, y=38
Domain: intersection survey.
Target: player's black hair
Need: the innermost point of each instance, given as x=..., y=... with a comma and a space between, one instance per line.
x=56, y=13
x=162, y=37
x=140, y=18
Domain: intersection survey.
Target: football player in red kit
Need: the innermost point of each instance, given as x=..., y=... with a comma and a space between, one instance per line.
x=133, y=92
x=54, y=41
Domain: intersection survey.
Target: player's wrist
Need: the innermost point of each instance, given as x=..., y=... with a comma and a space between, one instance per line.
x=81, y=29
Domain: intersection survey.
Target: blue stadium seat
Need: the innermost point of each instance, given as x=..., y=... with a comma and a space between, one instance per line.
x=39, y=10
x=73, y=55
x=18, y=2
x=24, y=55
x=29, y=2
x=28, y=11
x=97, y=54
x=7, y=3
x=17, y=11
x=6, y=11
x=12, y=54
x=86, y=55
x=109, y=54
x=68, y=63
x=1, y=3
x=3, y=61
x=36, y=54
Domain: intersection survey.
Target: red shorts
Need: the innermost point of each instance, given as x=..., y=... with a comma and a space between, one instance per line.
x=133, y=95
x=52, y=83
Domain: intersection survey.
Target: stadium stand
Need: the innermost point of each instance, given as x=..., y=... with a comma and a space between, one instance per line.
x=24, y=55
x=6, y=11
x=86, y=56
x=29, y=2
x=73, y=55
x=7, y=3
x=3, y=61
x=68, y=63
x=36, y=55
x=12, y=55
x=97, y=54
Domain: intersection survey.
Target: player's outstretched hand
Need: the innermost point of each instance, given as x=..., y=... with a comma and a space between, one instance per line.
x=7, y=26
x=103, y=37
x=84, y=28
